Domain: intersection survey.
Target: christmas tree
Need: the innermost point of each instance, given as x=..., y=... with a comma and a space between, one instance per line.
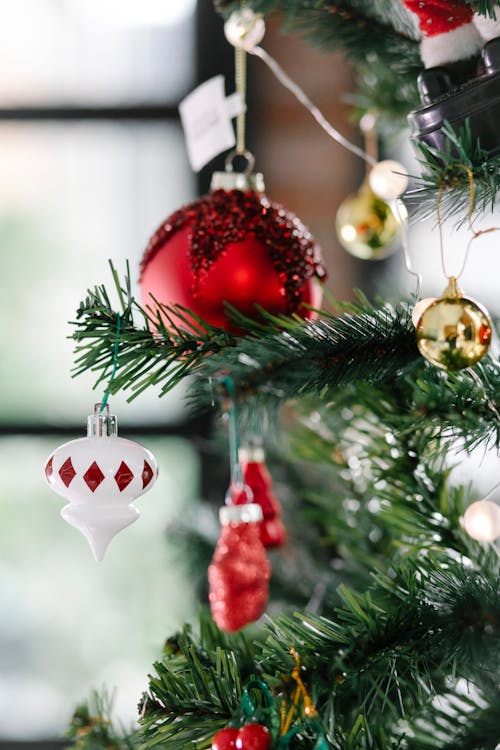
x=384, y=617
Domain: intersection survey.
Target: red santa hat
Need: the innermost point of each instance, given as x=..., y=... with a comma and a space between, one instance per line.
x=447, y=30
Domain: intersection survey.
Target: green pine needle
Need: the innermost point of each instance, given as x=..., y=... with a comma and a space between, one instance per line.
x=282, y=358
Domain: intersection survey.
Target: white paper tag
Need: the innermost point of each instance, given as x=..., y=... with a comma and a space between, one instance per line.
x=206, y=116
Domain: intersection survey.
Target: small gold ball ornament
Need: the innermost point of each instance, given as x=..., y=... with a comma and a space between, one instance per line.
x=367, y=226
x=453, y=332
x=420, y=308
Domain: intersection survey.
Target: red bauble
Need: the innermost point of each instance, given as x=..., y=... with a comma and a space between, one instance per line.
x=257, y=477
x=249, y=737
x=236, y=247
x=253, y=737
x=238, y=577
x=225, y=739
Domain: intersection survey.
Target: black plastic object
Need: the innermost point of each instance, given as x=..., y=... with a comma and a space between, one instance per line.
x=476, y=102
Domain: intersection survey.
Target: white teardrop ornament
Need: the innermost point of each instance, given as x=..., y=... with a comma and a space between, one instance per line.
x=101, y=475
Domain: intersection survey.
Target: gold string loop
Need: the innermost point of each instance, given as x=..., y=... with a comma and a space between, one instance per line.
x=299, y=693
x=475, y=233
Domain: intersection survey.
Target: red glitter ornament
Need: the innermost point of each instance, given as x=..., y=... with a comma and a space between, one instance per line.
x=253, y=737
x=225, y=739
x=239, y=573
x=257, y=477
x=249, y=737
x=233, y=246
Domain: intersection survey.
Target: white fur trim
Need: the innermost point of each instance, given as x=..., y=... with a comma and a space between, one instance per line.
x=489, y=28
x=457, y=44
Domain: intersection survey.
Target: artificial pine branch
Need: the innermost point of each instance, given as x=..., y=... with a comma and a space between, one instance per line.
x=92, y=728
x=283, y=358
x=163, y=350
x=382, y=656
x=446, y=179
x=196, y=687
x=386, y=657
x=385, y=653
x=475, y=729
x=429, y=621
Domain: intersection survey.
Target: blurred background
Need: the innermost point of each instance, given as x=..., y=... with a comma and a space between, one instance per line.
x=92, y=159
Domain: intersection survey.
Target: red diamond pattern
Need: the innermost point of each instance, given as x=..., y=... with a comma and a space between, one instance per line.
x=147, y=475
x=67, y=472
x=123, y=476
x=49, y=469
x=93, y=477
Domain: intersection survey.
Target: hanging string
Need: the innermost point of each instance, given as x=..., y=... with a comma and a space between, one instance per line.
x=492, y=491
x=367, y=127
x=295, y=89
x=470, y=210
x=229, y=405
x=115, y=361
x=240, y=66
x=248, y=707
x=453, y=279
x=405, y=245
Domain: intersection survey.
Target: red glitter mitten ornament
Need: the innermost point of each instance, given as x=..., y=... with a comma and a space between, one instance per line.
x=257, y=477
x=239, y=573
x=233, y=246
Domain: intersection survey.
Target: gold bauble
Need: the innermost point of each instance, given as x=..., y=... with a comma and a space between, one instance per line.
x=367, y=227
x=454, y=332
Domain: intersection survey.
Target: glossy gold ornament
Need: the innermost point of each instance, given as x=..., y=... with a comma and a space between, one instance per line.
x=454, y=332
x=367, y=226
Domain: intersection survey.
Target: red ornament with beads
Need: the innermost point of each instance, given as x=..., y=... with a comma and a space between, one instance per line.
x=234, y=246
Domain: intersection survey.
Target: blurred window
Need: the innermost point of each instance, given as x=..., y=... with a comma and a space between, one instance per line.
x=92, y=159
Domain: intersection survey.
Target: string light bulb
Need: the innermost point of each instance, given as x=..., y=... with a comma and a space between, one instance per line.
x=388, y=179
x=245, y=29
x=482, y=521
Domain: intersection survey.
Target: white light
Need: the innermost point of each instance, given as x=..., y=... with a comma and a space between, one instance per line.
x=388, y=179
x=482, y=521
x=348, y=233
x=133, y=12
x=244, y=29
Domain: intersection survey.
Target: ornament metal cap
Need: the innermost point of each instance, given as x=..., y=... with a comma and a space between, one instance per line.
x=248, y=513
x=238, y=181
x=101, y=423
x=452, y=291
x=251, y=454
x=231, y=180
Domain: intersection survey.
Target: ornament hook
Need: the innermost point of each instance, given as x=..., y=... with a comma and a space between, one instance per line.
x=229, y=406
x=247, y=155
